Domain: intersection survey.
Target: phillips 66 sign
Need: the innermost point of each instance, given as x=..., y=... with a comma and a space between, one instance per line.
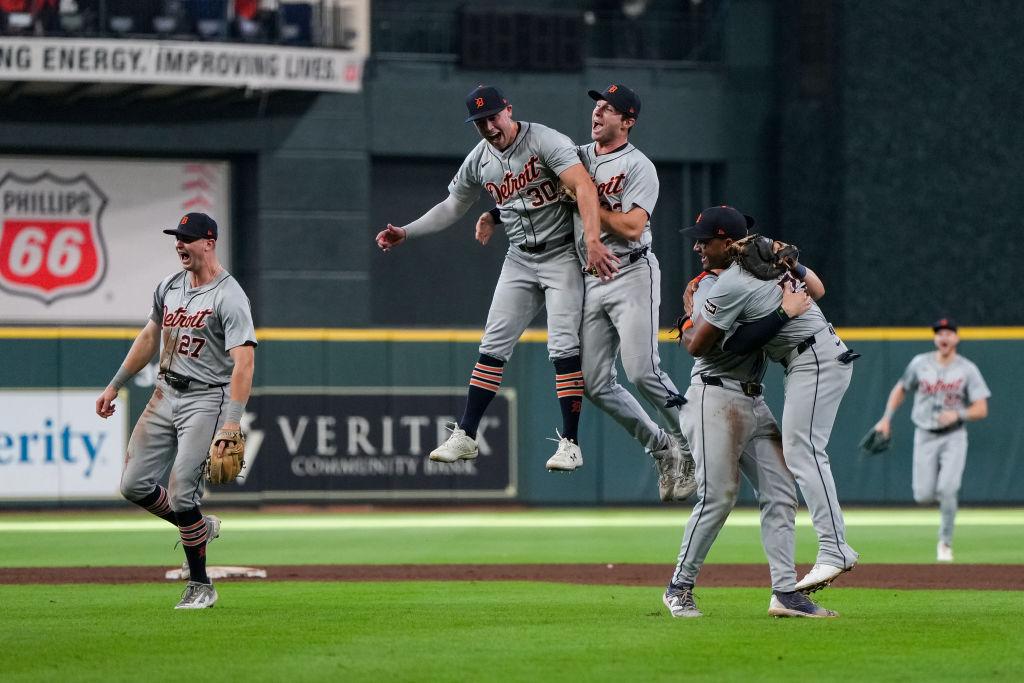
x=82, y=241
x=51, y=244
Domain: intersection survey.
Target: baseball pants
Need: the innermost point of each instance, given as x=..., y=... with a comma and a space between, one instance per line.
x=728, y=433
x=620, y=319
x=172, y=439
x=815, y=383
x=527, y=282
x=939, y=461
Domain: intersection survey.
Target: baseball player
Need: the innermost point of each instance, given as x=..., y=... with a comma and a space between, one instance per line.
x=950, y=391
x=520, y=165
x=620, y=316
x=817, y=374
x=730, y=430
x=201, y=323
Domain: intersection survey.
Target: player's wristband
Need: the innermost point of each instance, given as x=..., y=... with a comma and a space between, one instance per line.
x=781, y=312
x=496, y=215
x=234, y=412
x=121, y=378
x=962, y=414
x=800, y=271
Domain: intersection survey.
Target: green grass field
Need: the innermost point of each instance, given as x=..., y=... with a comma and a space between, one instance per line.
x=484, y=631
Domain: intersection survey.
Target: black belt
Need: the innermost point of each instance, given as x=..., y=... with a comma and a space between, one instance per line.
x=638, y=254
x=538, y=248
x=845, y=357
x=947, y=429
x=184, y=382
x=748, y=388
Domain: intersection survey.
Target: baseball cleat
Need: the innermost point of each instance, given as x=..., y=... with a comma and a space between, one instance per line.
x=568, y=456
x=821, y=576
x=681, y=603
x=197, y=596
x=796, y=604
x=459, y=446
x=213, y=531
x=944, y=552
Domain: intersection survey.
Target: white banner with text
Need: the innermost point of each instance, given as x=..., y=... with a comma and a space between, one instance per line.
x=259, y=67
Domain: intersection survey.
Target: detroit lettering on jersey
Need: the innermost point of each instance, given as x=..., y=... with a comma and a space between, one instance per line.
x=926, y=387
x=180, y=317
x=513, y=183
x=611, y=186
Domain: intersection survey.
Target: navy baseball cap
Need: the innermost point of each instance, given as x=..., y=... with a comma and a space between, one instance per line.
x=195, y=226
x=484, y=101
x=720, y=221
x=619, y=96
x=944, y=324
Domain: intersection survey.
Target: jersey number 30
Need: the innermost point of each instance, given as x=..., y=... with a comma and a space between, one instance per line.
x=191, y=346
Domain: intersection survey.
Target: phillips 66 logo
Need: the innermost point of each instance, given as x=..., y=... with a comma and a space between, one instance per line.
x=50, y=240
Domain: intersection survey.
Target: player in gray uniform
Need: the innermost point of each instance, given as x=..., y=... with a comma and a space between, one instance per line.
x=201, y=323
x=520, y=165
x=620, y=316
x=950, y=391
x=817, y=375
x=730, y=430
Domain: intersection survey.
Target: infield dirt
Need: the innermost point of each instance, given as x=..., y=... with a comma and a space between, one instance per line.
x=889, y=576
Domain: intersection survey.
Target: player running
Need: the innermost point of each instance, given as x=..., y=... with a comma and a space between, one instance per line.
x=520, y=164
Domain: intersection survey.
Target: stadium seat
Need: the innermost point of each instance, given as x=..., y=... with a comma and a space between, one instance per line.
x=210, y=17
x=296, y=23
x=133, y=16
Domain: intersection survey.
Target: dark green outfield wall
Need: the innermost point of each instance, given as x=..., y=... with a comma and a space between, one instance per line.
x=616, y=470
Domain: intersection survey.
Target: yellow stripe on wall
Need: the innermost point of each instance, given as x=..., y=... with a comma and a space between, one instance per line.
x=453, y=335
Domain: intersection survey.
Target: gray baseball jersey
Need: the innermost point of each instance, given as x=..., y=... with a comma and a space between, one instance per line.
x=620, y=316
x=540, y=266
x=523, y=181
x=941, y=387
x=940, y=454
x=729, y=432
x=815, y=383
x=625, y=178
x=199, y=328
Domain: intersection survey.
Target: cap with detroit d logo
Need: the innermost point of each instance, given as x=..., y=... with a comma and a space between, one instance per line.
x=619, y=96
x=719, y=221
x=944, y=324
x=195, y=226
x=484, y=101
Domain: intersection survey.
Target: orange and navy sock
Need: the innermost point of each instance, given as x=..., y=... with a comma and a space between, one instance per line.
x=483, y=385
x=569, y=387
x=159, y=504
x=193, y=531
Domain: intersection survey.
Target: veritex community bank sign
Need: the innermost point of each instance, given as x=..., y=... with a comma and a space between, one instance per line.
x=261, y=67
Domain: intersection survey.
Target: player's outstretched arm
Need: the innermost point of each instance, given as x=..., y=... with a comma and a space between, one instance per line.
x=143, y=348
x=438, y=218
x=244, y=358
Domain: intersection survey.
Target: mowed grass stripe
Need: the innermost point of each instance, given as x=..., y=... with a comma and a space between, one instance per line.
x=517, y=631
x=539, y=519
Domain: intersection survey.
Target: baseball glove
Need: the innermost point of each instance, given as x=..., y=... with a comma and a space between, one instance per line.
x=758, y=256
x=566, y=193
x=874, y=442
x=223, y=466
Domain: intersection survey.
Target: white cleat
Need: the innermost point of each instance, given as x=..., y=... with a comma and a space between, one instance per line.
x=944, y=552
x=681, y=604
x=459, y=446
x=197, y=596
x=820, y=576
x=567, y=458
